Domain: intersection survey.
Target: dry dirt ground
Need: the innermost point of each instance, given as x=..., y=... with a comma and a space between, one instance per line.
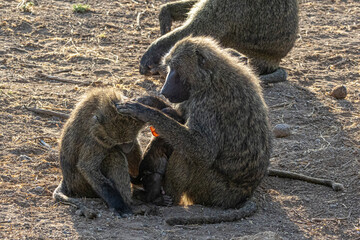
x=104, y=47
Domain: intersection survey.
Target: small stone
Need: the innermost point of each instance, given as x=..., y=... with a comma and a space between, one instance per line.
x=281, y=130
x=339, y=92
x=24, y=157
x=334, y=205
x=79, y=212
x=37, y=190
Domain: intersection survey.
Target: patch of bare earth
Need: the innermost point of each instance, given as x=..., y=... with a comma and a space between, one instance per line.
x=103, y=47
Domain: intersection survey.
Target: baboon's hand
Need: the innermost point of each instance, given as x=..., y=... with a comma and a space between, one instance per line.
x=122, y=213
x=154, y=70
x=150, y=62
x=135, y=110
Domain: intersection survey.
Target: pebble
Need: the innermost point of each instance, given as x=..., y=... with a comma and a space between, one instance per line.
x=24, y=157
x=339, y=92
x=37, y=190
x=281, y=130
x=79, y=212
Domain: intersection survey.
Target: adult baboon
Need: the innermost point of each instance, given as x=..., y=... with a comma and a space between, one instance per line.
x=262, y=30
x=222, y=152
x=97, y=145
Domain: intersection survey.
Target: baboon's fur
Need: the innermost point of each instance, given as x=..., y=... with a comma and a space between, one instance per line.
x=222, y=152
x=98, y=148
x=263, y=30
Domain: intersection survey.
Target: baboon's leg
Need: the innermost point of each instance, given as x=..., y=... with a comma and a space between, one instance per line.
x=268, y=73
x=280, y=75
x=90, y=167
x=286, y=174
x=175, y=11
x=115, y=167
x=200, y=185
x=242, y=58
x=160, y=200
x=134, y=158
x=195, y=185
x=177, y=177
x=262, y=66
x=60, y=196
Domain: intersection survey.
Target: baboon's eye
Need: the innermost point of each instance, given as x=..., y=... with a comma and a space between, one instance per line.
x=201, y=58
x=147, y=172
x=99, y=119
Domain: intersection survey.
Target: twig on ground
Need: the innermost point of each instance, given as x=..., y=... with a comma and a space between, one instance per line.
x=280, y=105
x=332, y=219
x=297, y=176
x=339, y=63
x=63, y=70
x=59, y=79
x=48, y=112
x=138, y=18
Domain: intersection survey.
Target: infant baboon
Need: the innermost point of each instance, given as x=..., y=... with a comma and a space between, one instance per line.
x=97, y=146
x=153, y=166
x=263, y=31
x=222, y=152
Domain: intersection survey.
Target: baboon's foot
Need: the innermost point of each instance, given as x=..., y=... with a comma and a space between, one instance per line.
x=87, y=212
x=280, y=75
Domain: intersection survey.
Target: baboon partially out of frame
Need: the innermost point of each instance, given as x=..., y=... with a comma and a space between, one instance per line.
x=262, y=30
x=222, y=152
x=98, y=148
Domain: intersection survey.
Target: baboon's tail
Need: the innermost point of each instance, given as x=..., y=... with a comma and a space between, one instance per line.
x=280, y=75
x=237, y=214
x=60, y=196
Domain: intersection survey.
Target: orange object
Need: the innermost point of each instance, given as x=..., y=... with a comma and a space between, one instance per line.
x=153, y=131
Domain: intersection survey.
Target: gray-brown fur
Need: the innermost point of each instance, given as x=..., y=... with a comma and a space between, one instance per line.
x=222, y=152
x=98, y=149
x=262, y=30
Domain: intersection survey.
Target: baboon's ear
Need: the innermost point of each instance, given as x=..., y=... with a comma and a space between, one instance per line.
x=201, y=59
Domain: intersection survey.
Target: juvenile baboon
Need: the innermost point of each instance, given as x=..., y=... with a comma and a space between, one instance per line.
x=222, y=152
x=98, y=148
x=153, y=166
x=262, y=30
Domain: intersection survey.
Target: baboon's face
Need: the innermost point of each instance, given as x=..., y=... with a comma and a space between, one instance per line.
x=176, y=88
x=120, y=129
x=126, y=129
x=188, y=72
